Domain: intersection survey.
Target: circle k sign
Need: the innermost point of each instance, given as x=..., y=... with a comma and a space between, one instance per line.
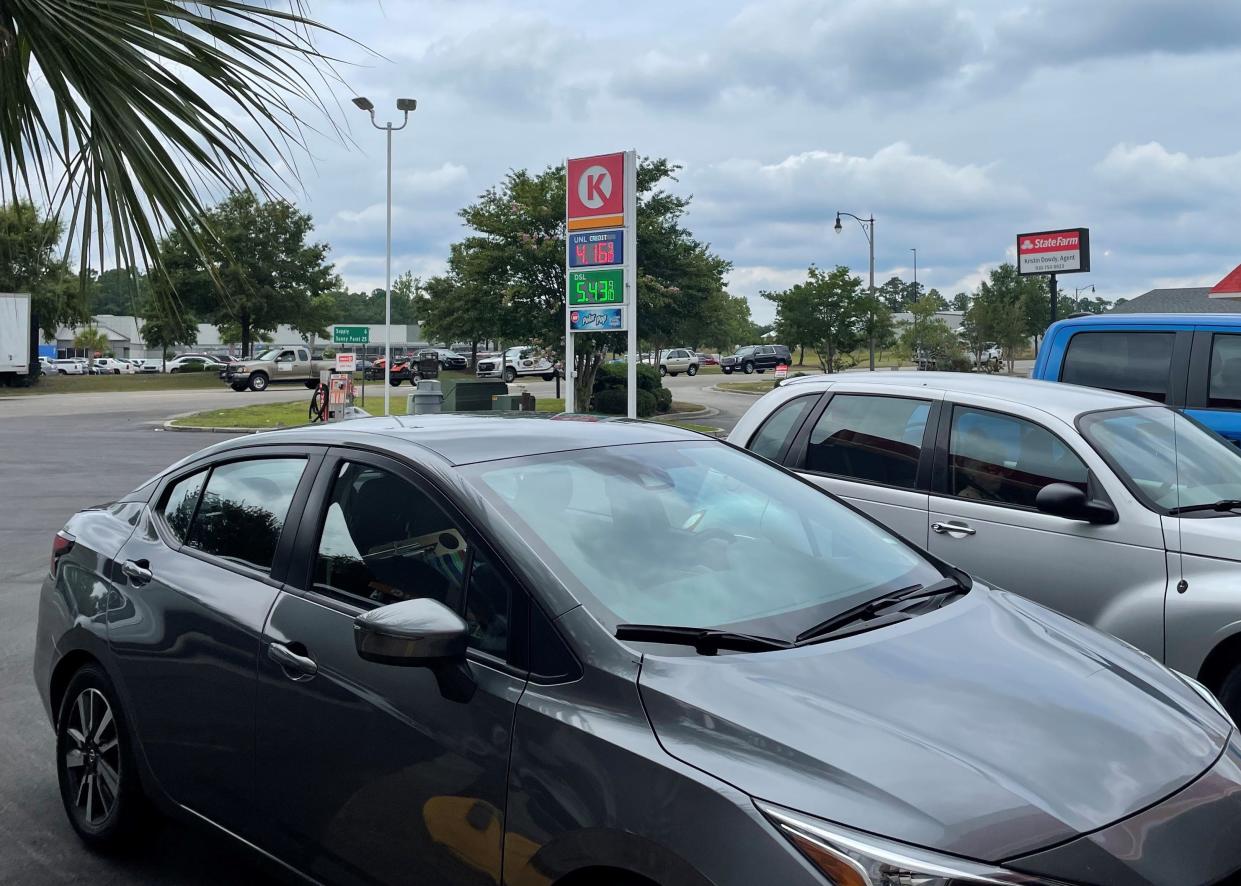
x=596, y=188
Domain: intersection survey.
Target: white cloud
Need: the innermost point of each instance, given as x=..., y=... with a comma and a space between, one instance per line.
x=1151, y=174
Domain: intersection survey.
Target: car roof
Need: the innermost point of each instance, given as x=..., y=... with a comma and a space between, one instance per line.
x=464, y=438
x=1152, y=320
x=1063, y=400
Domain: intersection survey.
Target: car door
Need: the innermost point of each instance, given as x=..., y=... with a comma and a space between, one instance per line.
x=372, y=773
x=991, y=460
x=197, y=581
x=873, y=450
x=1214, y=394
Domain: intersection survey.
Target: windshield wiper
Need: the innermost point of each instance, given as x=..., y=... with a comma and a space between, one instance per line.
x=1223, y=506
x=706, y=641
x=862, y=616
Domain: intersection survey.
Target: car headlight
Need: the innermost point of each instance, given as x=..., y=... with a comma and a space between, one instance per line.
x=853, y=858
x=1208, y=697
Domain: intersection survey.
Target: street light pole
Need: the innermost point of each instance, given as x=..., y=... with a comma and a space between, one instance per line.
x=404, y=105
x=868, y=228
x=914, y=250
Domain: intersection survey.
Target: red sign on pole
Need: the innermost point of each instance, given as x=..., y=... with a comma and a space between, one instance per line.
x=597, y=192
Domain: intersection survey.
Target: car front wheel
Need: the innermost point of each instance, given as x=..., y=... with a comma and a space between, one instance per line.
x=748, y=368
x=510, y=374
x=99, y=782
x=663, y=370
x=258, y=382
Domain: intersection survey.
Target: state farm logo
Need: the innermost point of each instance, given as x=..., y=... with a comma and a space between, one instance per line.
x=594, y=187
x=1027, y=244
x=1066, y=241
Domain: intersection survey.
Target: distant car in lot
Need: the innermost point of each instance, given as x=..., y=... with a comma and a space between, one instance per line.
x=47, y=365
x=677, y=360
x=448, y=359
x=113, y=366
x=528, y=650
x=518, y=361
x=1120, y=513
x=194, y=363
x=756, y=358
x=278, y=365
x=709, y=359
x=1187, y=361
x=145, y=364
x=68, y=366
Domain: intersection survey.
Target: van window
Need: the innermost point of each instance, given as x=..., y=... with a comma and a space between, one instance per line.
x=1007, y=460
x=1137, y=363
x=873, y=439
x=775, y=432
x=1225, y=390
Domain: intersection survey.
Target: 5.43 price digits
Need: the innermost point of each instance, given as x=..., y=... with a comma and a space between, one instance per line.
x=603, y=287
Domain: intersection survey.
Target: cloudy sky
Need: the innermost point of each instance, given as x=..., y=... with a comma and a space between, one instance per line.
x=958, y=124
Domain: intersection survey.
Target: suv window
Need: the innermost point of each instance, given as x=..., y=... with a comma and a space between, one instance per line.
x=1007, y=460
x=243, y=509
x=766, y=349
x=1135, y=363
x=874, y=439
x=775, y=431
x=384, y=540
x=1225, y=390
x=302, y=355
x=179, y=507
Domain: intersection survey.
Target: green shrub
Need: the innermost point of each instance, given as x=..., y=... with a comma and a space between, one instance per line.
x=663, y=400
x=646, y=403
x=614, y=401
x=616, y=375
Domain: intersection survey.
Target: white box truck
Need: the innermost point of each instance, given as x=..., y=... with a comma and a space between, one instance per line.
x=15, y=338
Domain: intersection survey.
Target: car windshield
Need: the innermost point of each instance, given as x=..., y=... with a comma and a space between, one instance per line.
x=269, y=354
x=696, y=534
x=1166, y=459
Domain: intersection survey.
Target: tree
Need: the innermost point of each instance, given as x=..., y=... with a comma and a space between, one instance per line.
x=28, y=241
x=1006, y=310
x=120, y=291
x=146, y=104
x=960, y=302
x=895, y=294
x=941, y=303
x=827, y=312
x=450, y=311
x=928, y=336
x=92, y=340
x=270, y=272
x=166, y=329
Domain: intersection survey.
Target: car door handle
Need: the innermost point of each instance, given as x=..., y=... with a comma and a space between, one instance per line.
x=137, y=572
x=297, y=667
x=953, y=527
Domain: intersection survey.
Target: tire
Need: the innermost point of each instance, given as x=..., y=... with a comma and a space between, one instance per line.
x=1229, y=694
x=510, y=375
x=395, y=382
x=663, y=370
x=311, y=385
x=61, y=372
x=238, y=388
x=692, y=371
x=105, y=775
x=727, y=370
x=172, y=371
x=747, y=368
x=258, y=382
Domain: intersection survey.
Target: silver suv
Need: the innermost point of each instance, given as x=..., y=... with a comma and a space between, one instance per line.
x=678, y=360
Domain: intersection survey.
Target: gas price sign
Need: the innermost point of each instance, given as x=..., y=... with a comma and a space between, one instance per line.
x=596, y=248
x=605, y=287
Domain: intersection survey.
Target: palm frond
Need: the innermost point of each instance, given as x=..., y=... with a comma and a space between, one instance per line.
x=100, y=113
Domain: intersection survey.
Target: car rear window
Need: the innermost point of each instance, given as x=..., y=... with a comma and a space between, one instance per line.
x=874, y=439
x=1137, y=363
x=1225, y=390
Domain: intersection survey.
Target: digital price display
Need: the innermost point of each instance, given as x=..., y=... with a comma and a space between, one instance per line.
x=596, y=248
x=597, y=319
x=605, y=287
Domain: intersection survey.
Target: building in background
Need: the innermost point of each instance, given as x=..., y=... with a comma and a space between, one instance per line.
x=1185, y=300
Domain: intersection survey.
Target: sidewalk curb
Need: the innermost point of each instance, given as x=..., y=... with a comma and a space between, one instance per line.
x=716, y=390
x=199, y=429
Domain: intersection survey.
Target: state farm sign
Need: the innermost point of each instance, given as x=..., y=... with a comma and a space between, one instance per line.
x=1054, y=252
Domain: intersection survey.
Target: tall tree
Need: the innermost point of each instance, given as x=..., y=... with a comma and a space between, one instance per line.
x=828, y=312
x=28, y=263
x=928, y=336
x=92, y=340
x=270, y=270
x=128, y=110
x=960, y=302
x=895, y=294
x=165, y=328
x=1005, y=310
x=451, y=311
x=120, y=291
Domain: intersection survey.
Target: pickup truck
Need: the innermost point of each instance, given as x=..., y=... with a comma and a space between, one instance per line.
x=276, y=366
x=1191, y=362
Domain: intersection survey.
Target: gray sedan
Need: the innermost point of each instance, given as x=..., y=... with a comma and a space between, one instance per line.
x=465, y=650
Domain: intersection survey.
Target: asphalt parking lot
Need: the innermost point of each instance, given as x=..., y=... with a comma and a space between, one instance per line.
x=61, y=453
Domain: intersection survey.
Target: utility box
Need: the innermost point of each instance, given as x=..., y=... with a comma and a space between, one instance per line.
x=470, y=395
x=506, y=402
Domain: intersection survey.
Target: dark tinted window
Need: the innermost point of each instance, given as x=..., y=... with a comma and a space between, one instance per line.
x=487, y=602
x=1135, y=363
x=550, y=658
x=772, y=436
x=1007, y=460
x=179, y=506
x=1225, y=391
x=243, y=509
x=876, y=439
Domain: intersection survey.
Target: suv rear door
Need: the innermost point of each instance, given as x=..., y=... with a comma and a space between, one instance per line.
x=1213, y=393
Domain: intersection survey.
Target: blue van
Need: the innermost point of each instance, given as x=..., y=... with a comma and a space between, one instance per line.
x=1188, y=361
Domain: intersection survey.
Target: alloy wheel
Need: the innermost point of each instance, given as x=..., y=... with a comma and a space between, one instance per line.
x=92, y=757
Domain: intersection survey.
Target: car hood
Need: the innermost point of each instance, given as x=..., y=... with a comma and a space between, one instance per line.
x=988, y=728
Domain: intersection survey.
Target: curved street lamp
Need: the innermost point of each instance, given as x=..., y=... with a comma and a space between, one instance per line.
x=868, y=228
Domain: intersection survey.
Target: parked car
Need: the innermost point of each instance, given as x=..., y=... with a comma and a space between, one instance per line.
x=279, y=365
x=518, y=361
x=709, y=359
x=677, y=360
x=1187, y=361
x=193, y=363
x=113, y=366
x=1115, y=511
x=756, y=358
x=540, y=639
x=448, y=359
x=47, y=365
x=146, y=364
x=69, y=366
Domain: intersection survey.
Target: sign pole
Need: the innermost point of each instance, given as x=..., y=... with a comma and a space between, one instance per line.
x=631, y=276
x=1051, y=285
x=570, y=402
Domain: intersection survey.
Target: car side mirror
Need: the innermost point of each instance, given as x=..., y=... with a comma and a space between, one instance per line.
x=418, y=633
x=1066, y=500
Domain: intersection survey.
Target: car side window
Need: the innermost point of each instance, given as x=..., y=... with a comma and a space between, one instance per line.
x=302, y=354
x=873, y=439
x=779, y=426
x=1135, y=363
x=243, y=509
x=1006, y=460
x=179, y=506
x=1225, y=386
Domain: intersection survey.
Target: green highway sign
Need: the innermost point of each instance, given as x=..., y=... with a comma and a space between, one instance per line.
x=351, y=335
x=606, y=287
